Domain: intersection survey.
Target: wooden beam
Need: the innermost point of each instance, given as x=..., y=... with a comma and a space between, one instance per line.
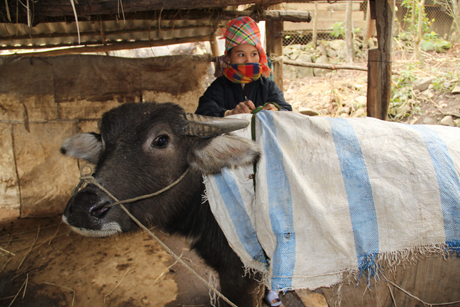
x=104, y=34
x=379, y=73
x=114, y=47
x=274, y=42
x=323, y=66
x=291, y=16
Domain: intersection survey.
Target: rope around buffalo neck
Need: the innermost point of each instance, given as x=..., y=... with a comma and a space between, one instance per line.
x=88, y=178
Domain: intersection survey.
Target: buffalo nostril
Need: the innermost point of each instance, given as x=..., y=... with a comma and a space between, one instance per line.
x=100, y=210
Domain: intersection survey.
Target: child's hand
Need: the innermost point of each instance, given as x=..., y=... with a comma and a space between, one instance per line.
x=270, y=107
x=243, y=107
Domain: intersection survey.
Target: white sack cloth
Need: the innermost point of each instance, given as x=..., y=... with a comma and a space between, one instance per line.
x=335, y=195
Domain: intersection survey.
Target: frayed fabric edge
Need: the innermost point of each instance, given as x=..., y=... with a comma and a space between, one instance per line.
x=374, y=269
x=388, y=262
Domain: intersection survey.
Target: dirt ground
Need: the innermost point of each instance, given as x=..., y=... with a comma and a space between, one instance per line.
x=342, y=93
x=42, y=263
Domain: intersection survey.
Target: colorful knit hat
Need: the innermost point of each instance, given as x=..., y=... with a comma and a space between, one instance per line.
x=244, y=30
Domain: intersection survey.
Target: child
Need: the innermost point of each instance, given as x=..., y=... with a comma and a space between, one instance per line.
x=244, y=84
x=242, y=88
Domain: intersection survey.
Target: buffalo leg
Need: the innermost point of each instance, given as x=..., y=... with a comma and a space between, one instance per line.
x=243, y=290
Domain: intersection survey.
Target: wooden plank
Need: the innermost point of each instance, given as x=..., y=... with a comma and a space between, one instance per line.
x=274, y=42
x=292, y=16
x=373, y=85
x=321, y=6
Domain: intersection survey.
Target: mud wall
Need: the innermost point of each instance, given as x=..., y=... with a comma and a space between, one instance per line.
x=44, y=100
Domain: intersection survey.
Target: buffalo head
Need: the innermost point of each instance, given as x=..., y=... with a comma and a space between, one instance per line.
x=142, y=148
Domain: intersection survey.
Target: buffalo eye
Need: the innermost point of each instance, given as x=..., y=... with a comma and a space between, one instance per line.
x=160, y=141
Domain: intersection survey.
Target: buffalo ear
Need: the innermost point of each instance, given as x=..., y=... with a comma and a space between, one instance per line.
x=86, y=146
x=211, y=155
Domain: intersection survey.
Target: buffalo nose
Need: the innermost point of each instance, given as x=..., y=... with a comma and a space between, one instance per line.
x=87, y=202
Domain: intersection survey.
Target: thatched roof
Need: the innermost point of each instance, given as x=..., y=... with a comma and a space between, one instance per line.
x=117, y=24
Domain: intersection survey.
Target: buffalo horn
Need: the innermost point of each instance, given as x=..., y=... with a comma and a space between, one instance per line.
x=206, y=126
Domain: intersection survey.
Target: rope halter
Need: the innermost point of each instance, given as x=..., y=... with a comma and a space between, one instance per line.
x=89, y=179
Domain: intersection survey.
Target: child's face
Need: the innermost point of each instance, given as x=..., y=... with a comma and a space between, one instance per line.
x=244, y=54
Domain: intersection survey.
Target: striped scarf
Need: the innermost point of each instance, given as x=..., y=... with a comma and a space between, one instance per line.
x=244, y=30
x=242, y=73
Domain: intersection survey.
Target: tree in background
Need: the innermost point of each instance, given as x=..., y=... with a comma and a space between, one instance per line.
x=349, y=32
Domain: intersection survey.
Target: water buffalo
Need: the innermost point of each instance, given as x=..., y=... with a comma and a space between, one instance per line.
x=142, y=148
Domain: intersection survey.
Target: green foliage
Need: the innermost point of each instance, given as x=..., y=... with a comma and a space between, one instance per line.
x=436, y=44
x=414, y=12
x=338, y=29
x=402, y=103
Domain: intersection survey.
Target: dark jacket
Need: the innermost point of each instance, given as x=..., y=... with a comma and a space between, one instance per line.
x=223, y=95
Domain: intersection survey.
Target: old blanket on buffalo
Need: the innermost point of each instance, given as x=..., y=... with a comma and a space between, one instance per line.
x=338, y=196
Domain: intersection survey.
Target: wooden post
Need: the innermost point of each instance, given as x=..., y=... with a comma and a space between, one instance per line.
x=214, y=49
x=379, y=72
x=274, y=42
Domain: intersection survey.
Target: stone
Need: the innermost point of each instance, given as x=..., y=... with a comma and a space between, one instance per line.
x=289, y=72
x=361, y=100
x=308, y=111
x=335, y=61
x=448, y=121
x=303, y=72
x=371, y=43
x=359, y=113
x=338, y=44
x=319, y=71
x=457, y=122
x=310, y=46
x=429, y=121
x=428, y=94
x=447, y=84
x=342, y=53
x=287, y=50
x=322, y=48
x=345, y=110
x=331, y=53
x=427, y=46
x=422, y=84
x=456, y=90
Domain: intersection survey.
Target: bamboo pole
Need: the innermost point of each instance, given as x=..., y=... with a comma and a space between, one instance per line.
x=324, y=66
x=315, y=26
x=114, y=47
x=349, y=32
